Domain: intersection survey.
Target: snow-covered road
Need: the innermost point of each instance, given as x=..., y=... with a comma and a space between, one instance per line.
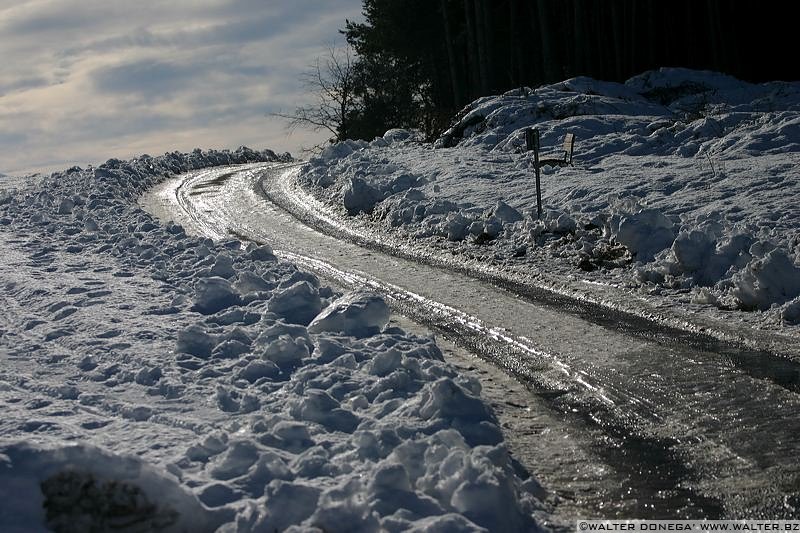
x=675, y=424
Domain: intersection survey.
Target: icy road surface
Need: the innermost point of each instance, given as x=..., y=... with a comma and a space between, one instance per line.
x=671, y=424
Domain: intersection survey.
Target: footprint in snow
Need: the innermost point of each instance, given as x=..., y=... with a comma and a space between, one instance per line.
x=37, y=403
x=95, y=424
x=77, y=290
x=39, y=426
x=57, y=334
x=97, y=294
x=30, y=324
x=64, y=313
x=57, y=306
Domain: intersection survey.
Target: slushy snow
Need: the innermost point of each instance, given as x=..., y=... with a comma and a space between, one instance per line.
x=683, y=190
x=151, y=380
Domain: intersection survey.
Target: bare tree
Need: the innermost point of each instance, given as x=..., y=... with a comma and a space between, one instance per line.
x=330, y=80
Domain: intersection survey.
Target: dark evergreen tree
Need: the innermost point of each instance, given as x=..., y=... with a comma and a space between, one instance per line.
x=420, y=61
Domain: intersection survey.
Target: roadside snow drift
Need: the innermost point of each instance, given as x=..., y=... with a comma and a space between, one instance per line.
x=155, y=381
x=684, y=187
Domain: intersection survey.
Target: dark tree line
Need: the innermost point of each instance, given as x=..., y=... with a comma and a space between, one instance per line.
x=419, y=61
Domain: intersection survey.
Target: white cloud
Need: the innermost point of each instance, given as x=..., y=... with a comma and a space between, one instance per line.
x=85, y=80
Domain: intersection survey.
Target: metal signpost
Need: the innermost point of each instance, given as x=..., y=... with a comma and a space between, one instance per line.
x=532, y=143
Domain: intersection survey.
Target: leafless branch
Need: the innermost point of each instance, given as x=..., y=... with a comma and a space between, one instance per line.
x=330, y=79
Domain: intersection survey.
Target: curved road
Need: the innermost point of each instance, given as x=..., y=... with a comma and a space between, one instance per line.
x=633, y=420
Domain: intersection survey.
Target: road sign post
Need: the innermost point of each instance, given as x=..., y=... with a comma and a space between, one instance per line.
x=532, y=143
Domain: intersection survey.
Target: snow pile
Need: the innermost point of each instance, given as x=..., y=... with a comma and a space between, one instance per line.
x=683, y=183
x=665, y=112
x=271, y=400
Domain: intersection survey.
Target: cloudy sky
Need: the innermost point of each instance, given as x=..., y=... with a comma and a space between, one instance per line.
x=85, y=80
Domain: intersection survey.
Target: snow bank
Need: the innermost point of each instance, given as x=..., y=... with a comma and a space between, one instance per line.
x=683, y=182
x=294, y=406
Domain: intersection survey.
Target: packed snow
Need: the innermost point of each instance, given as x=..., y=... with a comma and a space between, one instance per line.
x=683, y=190
x=152, y=380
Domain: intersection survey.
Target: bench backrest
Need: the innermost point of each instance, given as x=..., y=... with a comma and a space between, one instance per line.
x=569, y=145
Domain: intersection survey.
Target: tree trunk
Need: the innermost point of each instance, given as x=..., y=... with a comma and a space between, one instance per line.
x=715, y=37
x=617, y=24
x=458, y=99
x=551, y=72
x=513, y=45
x=472, y=51
x=488, y=43
x=633, y=65
x=651, y=13
x=579, y=41
x=483, y=59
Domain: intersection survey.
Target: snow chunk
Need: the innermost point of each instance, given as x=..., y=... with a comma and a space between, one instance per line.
x=358, y=314
x=250, y=282
x=358, y=197
x=214, y=294
x=195, y=341
x=290, y=503
x=384, y=363
x=447, y=523
x=230, y=349
x=258, y=369
x=286, y=350
x=644, y=232
x=223, y=267
x=791, y=312
x=559, y=223
x=342, y=507
x=317, y=405
x=298, y=303
x=505, y=213
x=261, y=253
x=692, y=250
x=66, y=206
x=445, y=398
x=235, y=461
x=771, y=279
x=456, y=226
x=447, y=404
x=398, y=135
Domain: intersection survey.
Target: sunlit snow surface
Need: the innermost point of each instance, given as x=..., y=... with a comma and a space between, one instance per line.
x=125, y=338
x=683, y=190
